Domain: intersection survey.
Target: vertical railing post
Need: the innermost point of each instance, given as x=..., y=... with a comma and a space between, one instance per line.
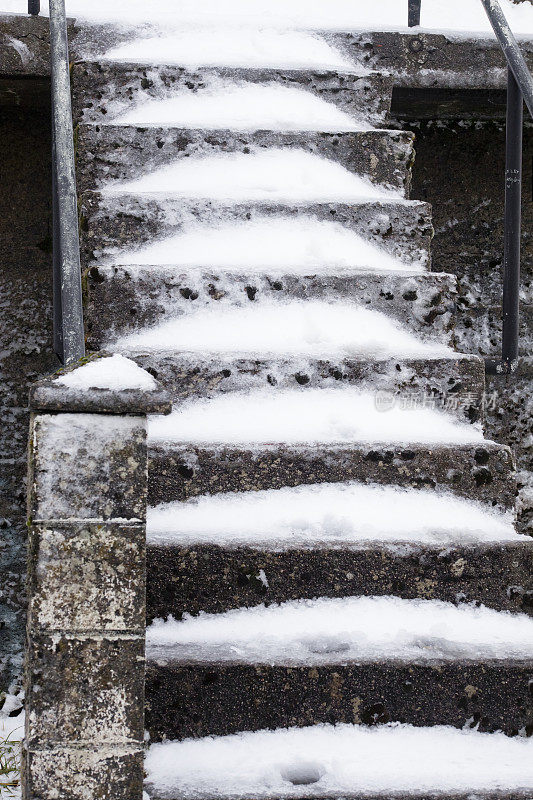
x=68, y=307
x=34, y=6
x=414, y=13
x=512, y=224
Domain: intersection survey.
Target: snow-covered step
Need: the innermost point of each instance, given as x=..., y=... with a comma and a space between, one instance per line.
x=272, y=174
x=122, y=300
x=297, y=328
x=342, y=761
x=350, y=516
x=127, y=229
x=482, y=471
x=114, y=152
x=344, y=630
x=119, y=88
x=332, y=416
x=358, y=659
x=218, y=552
x=234, y=47
x=455, y=385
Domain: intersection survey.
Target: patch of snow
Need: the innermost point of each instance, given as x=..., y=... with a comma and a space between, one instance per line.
x=461, y=17
x=342, y=630
x=328, y=515
x=243, y=107
x=276, y=175
x=342, y=761
x=114, y=373
x=306, y=416
x=234, y=47
x=312, y=328
x=302, y=245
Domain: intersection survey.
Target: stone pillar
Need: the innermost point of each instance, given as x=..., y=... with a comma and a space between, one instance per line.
x=86, y=584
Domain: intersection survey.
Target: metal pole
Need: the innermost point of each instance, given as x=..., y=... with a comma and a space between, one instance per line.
x=73, y=339
x=512, y=224
x=56, y=261
x=34, y=6
x=414, y=7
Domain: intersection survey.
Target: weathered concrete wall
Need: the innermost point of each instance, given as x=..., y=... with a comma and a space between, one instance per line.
x=25, y=333
x=459, y=168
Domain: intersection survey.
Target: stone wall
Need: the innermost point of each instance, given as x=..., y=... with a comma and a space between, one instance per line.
x=459, y=168
x=25, y=333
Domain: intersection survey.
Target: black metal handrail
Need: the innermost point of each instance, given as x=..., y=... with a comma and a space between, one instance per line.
x=519, y=89
x=69, y=338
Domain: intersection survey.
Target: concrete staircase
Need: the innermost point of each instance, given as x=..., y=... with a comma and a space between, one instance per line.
x=307, y=347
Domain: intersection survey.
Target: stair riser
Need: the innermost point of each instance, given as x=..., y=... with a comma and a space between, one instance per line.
x=454, y=386
x=120, y=300
x=103, y=90
x=402, y=229
x=482, y=473
x=216, y=579
x=122, y=153
x=211, y=699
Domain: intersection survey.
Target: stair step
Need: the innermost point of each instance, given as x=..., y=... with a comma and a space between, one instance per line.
x=292, y=176
x=454, y=385
x=480, y=471
x=346, y=630
x=123, y=299
x=117, y=87
x=115, y=152
x=356, y=659
x=113, y=228
x=218, y=552
x=232, y=46
x=213, y=578
x=342, y=761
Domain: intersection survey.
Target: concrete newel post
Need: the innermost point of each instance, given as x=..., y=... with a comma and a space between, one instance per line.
x=87, y=495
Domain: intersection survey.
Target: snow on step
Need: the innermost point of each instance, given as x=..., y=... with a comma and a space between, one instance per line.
x=342, y=630
x=115, y=372
x=291, y=176
x=301, y=245
x=306, y=416
x=311, y=328
x=243, y=107
x=341, y=761
x=328, y=515
x=457, y=16
x=234, y=47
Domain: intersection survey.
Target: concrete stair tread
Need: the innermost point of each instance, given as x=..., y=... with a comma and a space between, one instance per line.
x=343, y=761
x=482, y=471
x=118, y=86
x=454, y=385
x=305, y=417
x=344, y=630
x=123, y=299
x=125, y=229
x=313, y=329
x=330, y=516
x=119, y=152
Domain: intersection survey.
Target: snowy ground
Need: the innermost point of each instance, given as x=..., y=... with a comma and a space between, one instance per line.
x=341, y=761
x=11, y=734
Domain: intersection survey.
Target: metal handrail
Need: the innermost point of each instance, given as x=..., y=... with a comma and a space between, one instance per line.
x=519, y=89
x=69, y=337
